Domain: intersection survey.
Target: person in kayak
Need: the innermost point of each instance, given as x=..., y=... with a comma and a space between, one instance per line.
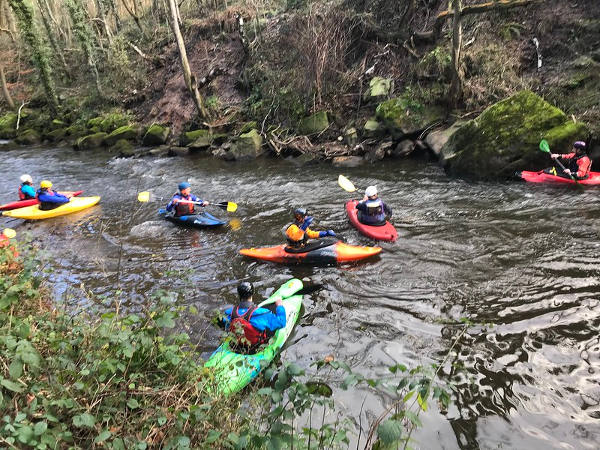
x=577, y=163
x=372, y=210
x=251, y=326
x=48, y=198
x=26, y=190
x=298, y=233
x=184, y=208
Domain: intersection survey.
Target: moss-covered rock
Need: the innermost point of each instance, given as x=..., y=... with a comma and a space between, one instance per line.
x=156, y=135
x=247, y=145
x=91, y=141
x=373, y=129
x=190, y=136
x=57, y=123
x=75, y=131
x=351, y=136
x=56, y=135
x=505, y=138
x=126, y=132
x=248, y=126
x=123, y=148
x=8, y=123
x=314, y=124
x=95, y=122
x=402, y=116
x=28, y=137
x=112, y=121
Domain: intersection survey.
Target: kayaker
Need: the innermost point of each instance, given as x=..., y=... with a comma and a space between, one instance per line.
x=298, y=233
x=48, y=198
x=26, y=190
x=577, y=163
x=184, y=208
x=252, y=326
x=372, y=210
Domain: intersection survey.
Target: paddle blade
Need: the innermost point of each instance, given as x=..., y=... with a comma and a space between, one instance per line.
x=231, y=207
x=9, y=233
x=346, y=184
x=235, y=224
x=544, y=146
x=144, y=197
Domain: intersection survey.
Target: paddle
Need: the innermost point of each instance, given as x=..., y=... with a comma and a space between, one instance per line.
x=346, y=184
x=144, y=197
x=546, y=148
x=304, y=291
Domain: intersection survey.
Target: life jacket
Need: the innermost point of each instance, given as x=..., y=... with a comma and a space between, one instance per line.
x=580, y=164
x=297, y=237
x=22, y=195
x=46, y=206
x=244, y=332
x=184, y=209
x=374, y=213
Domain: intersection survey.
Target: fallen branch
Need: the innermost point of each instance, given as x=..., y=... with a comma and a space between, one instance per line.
x=19, y=114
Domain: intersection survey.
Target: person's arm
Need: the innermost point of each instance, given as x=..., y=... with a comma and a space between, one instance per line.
x=361, y=206
x=199, y=200
x=58, y=199
x=317, y=234
x=172, y=203
x=277, y=320
x=563, y=155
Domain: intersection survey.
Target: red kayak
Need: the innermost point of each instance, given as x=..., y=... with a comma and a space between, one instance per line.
x=32, y=201
x=385, y=232
x=542, y=177
x=322, y=251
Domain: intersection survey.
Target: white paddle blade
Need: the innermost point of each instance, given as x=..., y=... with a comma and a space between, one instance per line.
x=144, y=197
x=346, y=184
x=9, y=233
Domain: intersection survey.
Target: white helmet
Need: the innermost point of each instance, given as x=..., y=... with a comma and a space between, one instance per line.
x=26, y=179
x=371, y=191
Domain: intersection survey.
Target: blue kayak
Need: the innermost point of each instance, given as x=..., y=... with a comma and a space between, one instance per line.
x=202, y=220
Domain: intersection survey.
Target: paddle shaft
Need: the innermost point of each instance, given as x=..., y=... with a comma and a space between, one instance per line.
x=304, y=291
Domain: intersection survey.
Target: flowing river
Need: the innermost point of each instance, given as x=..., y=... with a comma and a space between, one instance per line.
x=520, y=261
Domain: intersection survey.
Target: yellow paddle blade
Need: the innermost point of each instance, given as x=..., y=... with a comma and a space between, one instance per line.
x=144, y=197
x=9, y=233
x=231, y=207
x=346, y=184
x=235, y=224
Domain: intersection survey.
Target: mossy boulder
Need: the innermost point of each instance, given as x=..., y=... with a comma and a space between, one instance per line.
x=505, y=138
x=156, y=135
x=373, y=129
x=95, y=122
x=57, y=123
x=190, y=136
x=248, y=126
x=56, y=135
x=379, y=87
x=91, y=141
x=28, y=137
x=314, y=124
x=8, y=123
x=247, y=145
x=112, y=121
x=402, y=116
x=75, y=131
x=126, y=132
x=123, y=148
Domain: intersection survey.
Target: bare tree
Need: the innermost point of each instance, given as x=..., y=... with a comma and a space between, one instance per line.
x=189, y=77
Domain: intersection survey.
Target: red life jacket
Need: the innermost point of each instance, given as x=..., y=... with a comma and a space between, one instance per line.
x=184, y=209
x=244, y=332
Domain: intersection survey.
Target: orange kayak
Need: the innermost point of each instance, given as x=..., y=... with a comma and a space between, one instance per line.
x=320, y=251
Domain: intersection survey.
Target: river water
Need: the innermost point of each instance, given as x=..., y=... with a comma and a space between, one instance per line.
x=520, y=261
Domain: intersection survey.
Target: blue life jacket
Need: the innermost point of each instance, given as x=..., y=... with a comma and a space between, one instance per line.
x=373, y=212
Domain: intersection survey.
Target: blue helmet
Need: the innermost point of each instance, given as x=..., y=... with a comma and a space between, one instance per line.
x=183, y=185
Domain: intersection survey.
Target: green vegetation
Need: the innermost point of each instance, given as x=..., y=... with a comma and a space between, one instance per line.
x=125, y=380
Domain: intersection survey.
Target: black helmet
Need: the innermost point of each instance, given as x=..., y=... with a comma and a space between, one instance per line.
x=245, y=290
x=580, y=145
x=302, y=212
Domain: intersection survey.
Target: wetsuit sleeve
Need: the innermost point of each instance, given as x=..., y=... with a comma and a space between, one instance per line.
x=59, y=199
x=567, y=156
x=312, y=234
x=277, y=320
x=387, y=210
x=29, y=191
x=170, y=205
x=226, y=318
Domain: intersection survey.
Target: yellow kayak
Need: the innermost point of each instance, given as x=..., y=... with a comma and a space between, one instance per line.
x=34, y=212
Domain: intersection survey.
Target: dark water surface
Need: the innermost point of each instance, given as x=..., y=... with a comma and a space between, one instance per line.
x=521, y=261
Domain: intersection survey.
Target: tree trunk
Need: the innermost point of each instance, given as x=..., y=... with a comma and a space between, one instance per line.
x=24, y=14
x=45, y=13
x=190, y=79
x=102, y=14
x=456, y=87
x=5, y=92
x=133, y=15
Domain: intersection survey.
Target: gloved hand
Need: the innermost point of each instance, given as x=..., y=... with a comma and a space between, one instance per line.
x=568, y=172
x=330, y=233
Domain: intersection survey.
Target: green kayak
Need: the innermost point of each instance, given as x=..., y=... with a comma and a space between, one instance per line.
x=233, y=371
